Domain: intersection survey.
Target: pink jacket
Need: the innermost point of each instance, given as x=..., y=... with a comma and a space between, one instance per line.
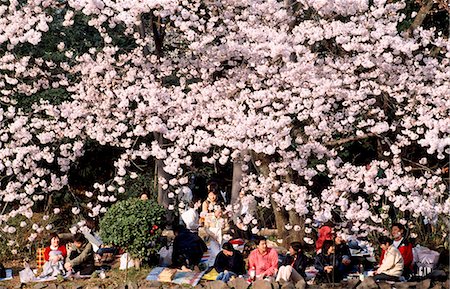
x=266, y=265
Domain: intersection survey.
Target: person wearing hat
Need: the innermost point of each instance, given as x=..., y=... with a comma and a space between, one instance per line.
x=229, y=263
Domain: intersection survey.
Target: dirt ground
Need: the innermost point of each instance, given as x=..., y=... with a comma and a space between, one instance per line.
x=114, y=278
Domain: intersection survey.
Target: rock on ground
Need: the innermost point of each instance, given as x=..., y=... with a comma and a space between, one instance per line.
x=216, y=285
x=425, y=284
x=238, y=283
x=261, y=284
x=288, y=285
x=145, y=284
x=300, y=284
x=368, y=283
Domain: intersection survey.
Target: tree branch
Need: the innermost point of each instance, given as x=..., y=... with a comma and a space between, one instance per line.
x=349, y=139
x=158, y=33
x=420, y=17
x=143, y=34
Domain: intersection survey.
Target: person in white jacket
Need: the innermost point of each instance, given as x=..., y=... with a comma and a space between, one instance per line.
x=391, y=267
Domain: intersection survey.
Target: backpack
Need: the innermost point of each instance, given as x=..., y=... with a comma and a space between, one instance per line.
x=2, y=271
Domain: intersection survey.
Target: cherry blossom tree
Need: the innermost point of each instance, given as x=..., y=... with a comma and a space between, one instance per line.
x=328, y=110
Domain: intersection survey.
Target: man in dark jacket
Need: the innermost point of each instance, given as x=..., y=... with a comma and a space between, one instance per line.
x=188, y=248
x=229, y=262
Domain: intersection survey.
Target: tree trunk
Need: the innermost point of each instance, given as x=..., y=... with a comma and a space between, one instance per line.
x=158, y=33
x=236, y=182
x=282, y=217
x=163, y=198
x=296, y=220
x=142, y=32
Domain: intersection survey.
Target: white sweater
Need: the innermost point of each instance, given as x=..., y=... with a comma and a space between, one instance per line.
x=392, y=264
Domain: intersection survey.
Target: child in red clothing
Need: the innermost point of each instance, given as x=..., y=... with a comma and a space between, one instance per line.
x=54, y=256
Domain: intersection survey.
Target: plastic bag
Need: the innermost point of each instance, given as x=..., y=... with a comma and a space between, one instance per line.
x=26, y=275
x=425, y=257
x=165, y=256
x=124, y=259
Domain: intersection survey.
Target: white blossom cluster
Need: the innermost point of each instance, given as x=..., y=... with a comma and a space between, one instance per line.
x=254, y=85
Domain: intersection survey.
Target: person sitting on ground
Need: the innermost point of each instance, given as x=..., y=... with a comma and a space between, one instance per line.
x=190, y=217
x=188, y=248
x=215, y=228
x=294, y=265
x=229, y=263
x=263, y=260
x=211, y=201
x=326, y=263
x=245, y=205
x=391, y=267
x=208, y=206
x=99, y=248
x=343, y=256
x=404, y=246
x=54, y=257
x=80, y=258
x=325, y=233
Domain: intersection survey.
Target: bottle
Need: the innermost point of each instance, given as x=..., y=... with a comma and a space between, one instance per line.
x=252, y=273
x=361, y=272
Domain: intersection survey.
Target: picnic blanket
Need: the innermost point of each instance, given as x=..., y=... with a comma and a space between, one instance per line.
x=181, y=277
x=45, y=279
x=9, y=274
x=211, y=275
x=206, y=258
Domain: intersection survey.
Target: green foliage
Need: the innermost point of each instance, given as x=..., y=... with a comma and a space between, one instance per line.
x=144, y=183
x=5, y=251
x=133, y=225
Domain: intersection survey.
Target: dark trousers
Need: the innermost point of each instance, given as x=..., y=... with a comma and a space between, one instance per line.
x=86, y=268
x=111, y=250
x=333, y=277
x=188, y=258
x=385, y=277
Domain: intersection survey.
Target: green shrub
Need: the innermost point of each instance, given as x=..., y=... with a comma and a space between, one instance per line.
x=134, y=225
